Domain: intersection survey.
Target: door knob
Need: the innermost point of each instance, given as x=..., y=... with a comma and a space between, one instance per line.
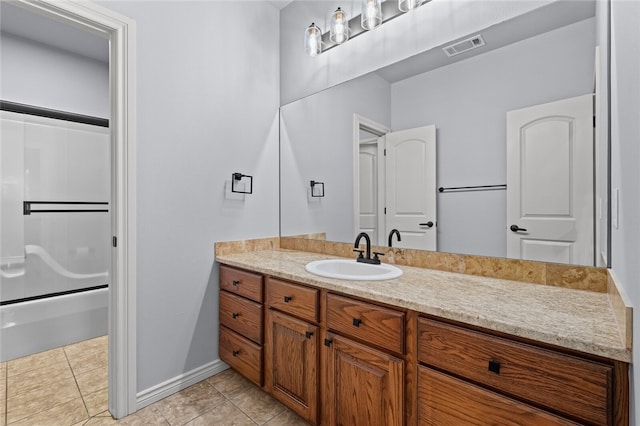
x=428, y=224
x=516, y=228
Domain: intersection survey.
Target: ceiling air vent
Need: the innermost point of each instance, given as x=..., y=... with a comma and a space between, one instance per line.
x=464, y=45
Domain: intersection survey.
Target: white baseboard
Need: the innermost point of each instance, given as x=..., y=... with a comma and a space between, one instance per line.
x=175, y=384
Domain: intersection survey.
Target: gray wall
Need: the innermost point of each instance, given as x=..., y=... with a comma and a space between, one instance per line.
x=208, y=96
x=40, y=75
x=468, y=102
x=316, y=138
x=625, y=173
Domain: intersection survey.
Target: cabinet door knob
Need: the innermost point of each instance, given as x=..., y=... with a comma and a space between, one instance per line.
x=494, y=367
x=236, y=283
x=287, y=299
x=235, y=353
x=328, y=342
x=308, y=334
x=235, y=315
x=357, y=321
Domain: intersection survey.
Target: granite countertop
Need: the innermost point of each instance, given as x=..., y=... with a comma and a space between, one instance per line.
x=574, y=319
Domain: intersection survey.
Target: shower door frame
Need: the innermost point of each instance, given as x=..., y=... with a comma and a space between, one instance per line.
x=120, y=31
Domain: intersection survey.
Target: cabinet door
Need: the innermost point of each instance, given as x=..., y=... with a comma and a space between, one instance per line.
x=366, y=386
x=291, y=363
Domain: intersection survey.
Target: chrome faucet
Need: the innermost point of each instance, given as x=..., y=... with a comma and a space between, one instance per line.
x=361, y=257
x=394, y=231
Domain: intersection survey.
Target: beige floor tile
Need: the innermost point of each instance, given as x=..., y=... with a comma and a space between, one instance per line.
x=3, y=370
x=43, y=398
x=96, y=402
x=82, y=363
x=92, y=381
x=64, y=414
x=287, y=418
x=258, y=405
x=33, y=362
x=31, y=380
x=147, y=416
x=225, y=414
x=230, y=383
x=189, y=403
x=86, y=347
x=101, y=420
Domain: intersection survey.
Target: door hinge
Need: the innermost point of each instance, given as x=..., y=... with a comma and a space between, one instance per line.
x=385, y=152
x=594, y=121
x=114, y=241
x=385, y=210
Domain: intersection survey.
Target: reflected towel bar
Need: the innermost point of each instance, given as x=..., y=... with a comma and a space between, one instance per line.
x=473, y=188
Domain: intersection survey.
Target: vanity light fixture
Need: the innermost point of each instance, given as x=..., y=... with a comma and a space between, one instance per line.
x=374, y=13
x=313, y=40
x=407, y=5
x=371, y=14
x=339, y=26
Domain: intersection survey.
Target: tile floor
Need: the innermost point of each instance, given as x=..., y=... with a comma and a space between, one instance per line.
x=68, y=387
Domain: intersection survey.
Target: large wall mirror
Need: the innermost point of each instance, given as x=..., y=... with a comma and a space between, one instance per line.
x=491, y=152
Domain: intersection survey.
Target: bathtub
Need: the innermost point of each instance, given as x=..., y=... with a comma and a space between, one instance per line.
x=39, y=325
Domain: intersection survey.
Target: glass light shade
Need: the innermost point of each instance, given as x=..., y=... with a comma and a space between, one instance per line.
x=371, y=14
x=313, y=40
x=339, y=26
x=407, y=5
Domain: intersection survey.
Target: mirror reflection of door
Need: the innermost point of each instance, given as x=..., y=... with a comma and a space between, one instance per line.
x=397, y=186
x=550, y=182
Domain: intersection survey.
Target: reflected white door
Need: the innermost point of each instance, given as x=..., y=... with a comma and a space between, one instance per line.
x=411, y=186
x=550, y=207
x=368, y=160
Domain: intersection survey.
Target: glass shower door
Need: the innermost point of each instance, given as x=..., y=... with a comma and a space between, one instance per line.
x=56, y=239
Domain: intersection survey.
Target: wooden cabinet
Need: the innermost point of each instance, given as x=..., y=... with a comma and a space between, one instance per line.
x=241, y=322
x=445, y=400
x=291, y=346
x=574, y=387
x=291, y=363
x=367, y=322
x=339, y=360
x=366, y=385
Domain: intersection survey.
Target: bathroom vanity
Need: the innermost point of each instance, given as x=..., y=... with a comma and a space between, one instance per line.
x=430, y=347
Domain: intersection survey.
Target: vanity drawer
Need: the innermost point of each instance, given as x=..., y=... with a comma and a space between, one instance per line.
x=241, y=315
x=240, y=282
x=370, y=323
x=445, y=400
x=571, y=385
x=241, y=354
x=293, y=299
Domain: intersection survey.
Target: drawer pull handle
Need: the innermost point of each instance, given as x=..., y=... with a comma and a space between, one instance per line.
x=236, y=283
x=235, y=315
x=308, y=334
x=235, y=353
x=494, y=367
x=287, y=299
x=328, y=342
x=357, y=321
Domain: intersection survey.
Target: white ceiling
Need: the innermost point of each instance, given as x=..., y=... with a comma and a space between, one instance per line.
x=23, y=23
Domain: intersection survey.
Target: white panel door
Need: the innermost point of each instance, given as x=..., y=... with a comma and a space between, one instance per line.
x=411, y=186
x=550, y=199
x=368, y=161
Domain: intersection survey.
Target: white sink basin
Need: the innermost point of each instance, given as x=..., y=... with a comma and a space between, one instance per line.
x=346, y=269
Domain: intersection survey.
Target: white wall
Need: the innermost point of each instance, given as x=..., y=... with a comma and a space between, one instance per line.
x=429, y=26
x=43, y=76
x=208, y=96
x=316, y=143
x=468, y=102
x=625, y=173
